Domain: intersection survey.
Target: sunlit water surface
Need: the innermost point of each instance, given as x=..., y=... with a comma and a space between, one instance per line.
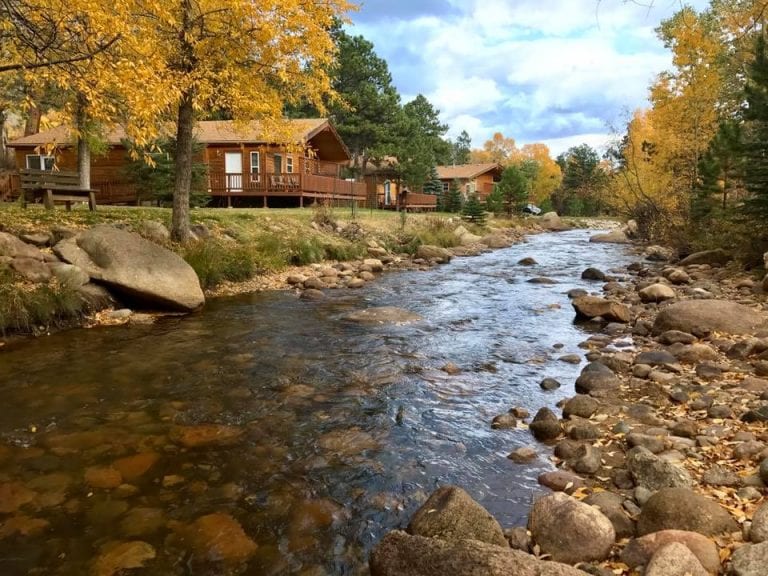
x=348, y=427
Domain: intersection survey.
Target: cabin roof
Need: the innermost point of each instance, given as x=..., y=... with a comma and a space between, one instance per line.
x=298, y=130
x=466, y=171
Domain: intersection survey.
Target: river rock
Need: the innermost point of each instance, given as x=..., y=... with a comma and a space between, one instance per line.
x=656, y=293
x=436, y=253
x=493, y=240
x=639, y=551
x=545, y=425
x=674, y=559
x=763, y=471
x=374, y=264
x=658, y=253
x=132, y=468
x=759, y=531
x=137, y=269
x=596, y=376
x=522, y=455
x=702, y=317
x=527, y=261
x=551, y=221
x=383, y=315
x=718, y=257
x=594, y=306
x=68, y=275
x=452, y=515
x=561, y=481
x=610, y=504
x=14, y=495
x=504, y=422
x=103, y=477
x=654, y=473
x=154, y=231
x=593, y=274
x=580, y=405
x=750, y=560
x=549, y=384
x=204, y=435
x=119, y=556
x=683, y=509
x=616, y=236
x=401, y=554
x=218, y=537
x=570, y=531
x=31, y=270
x=14, y=248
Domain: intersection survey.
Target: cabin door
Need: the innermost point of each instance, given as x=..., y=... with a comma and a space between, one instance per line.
x=387, y=193
x=278, y=163
x=233, y=171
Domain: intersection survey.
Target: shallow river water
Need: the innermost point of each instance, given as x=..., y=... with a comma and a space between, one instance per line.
x=338, y=430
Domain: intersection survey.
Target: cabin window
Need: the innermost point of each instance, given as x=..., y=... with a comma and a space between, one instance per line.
x=40, y=162
x=446, y=187
x=255, y=167
x=277, y=163
x=289, y=164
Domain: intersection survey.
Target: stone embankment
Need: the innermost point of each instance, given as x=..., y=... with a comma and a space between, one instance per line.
x=662, y=453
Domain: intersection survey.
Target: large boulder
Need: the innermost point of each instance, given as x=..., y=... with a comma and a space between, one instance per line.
x=570, y=531
x=674, y=560
x=452, y=515
x=14, y=248
x=136, y=269
x=717, y=256
x=594, y=306
x=656, y=293
x=551, y=221
x=436, y=253
x=702, y=317
x=759, y=531
x=617, y=236
x=401, y=554
x=683, y=509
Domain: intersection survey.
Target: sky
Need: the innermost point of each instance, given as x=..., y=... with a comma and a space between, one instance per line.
x=561, y=72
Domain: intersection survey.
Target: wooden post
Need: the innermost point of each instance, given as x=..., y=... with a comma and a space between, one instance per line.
x=48, y=200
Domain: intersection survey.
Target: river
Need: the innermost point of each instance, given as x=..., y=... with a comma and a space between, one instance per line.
x=345, y=428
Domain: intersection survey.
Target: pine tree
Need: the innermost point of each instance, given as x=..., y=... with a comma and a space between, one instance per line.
x=756, y=135
x=453, y=200
x=473, y=210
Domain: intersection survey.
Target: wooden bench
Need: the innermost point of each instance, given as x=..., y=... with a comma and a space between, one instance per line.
x=61, y=186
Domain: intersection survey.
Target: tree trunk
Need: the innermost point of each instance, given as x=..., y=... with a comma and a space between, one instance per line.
x=183, y=175
x=4, y=158
x=83, y=150
x=32, y=125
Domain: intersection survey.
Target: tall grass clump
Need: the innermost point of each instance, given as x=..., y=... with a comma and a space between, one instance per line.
x=437, y=231
x=214, y=261
x=26, y=308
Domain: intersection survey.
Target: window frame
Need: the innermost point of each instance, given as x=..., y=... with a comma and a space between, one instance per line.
x=42, y=159
x=255, y=169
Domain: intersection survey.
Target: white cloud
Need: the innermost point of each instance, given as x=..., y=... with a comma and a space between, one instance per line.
x=557, y=71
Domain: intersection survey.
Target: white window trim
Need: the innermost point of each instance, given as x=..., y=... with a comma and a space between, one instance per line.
x=42, y=158
x=255, y=168
x=289, y=164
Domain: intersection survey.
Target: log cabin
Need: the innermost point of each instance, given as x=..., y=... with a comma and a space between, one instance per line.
x=472, y=178
x=245, y=168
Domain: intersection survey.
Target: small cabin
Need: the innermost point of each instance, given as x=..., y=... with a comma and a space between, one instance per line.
x=246, y=167
x=472, y=179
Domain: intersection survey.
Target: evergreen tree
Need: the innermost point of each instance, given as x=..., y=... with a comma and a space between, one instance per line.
x=513, y=188
x=473, y=210
x=435, y=186
x=453, y=201
x=495, y=201
x=756, y=135
x=721, y=173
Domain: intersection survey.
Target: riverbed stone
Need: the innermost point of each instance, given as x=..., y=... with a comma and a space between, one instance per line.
x=68, y=275
x=552, y=221
x=596, y=376
x=400, y=554
x=504, y=422
x=133, y=468
x=570, y=531
x=205, y=435
x=593, y=274
x=218, y=537
x=763, y=471
x=527, y=261
x=717, y=256
x=580, y=405
x=610, y=505
x=137, y=269
x=452, y=515
x=522, y=455
x=750, y=560
x=549, y=384
x=116, y=557
x=674, y=559
x=14, y=495
x=595, y=306
x=142, y=522
x=561, y=481
x=702, y=317
x=656, y=293
x=545, y=425
x=104, y=477
x=654, y=473
x=383, y=315
x=616, y=236
x=759, y=531
x=639, y=551
x=683, y=509
x=436, y=253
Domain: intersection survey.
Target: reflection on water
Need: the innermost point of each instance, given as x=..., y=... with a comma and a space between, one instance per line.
x=322, y=434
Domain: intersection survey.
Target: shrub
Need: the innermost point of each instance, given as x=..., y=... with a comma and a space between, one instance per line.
x=215, y=262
